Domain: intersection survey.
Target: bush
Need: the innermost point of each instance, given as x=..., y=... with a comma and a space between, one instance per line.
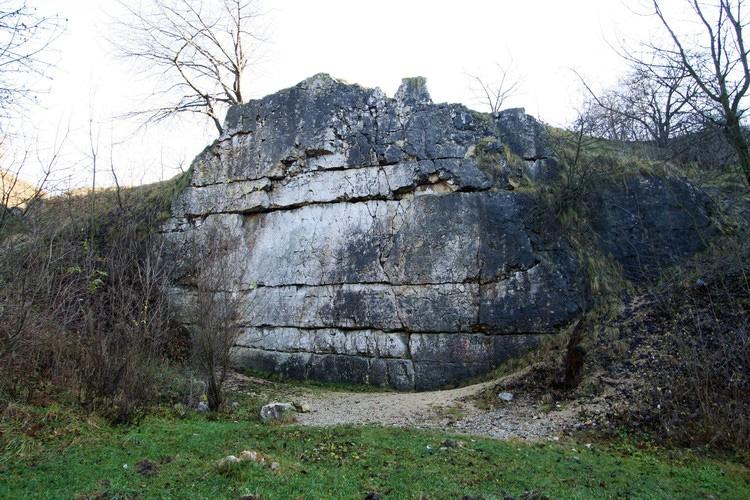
x=704, y=380
x=83, y=307
x=216, y=308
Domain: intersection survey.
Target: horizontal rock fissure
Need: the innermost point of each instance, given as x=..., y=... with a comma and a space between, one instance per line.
x=319, y=353
x=470, y=281
x=342, y=168
x=345, y=329
x=404, y=331
x=395, y=196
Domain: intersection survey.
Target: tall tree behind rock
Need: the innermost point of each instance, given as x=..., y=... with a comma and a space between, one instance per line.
x=26, y=36
x=651, y=103
x=198, y=52
x=716, y=59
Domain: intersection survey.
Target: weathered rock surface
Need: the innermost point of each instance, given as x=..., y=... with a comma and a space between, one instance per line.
x=649, y=223
x=275, y=411
x=373, y=242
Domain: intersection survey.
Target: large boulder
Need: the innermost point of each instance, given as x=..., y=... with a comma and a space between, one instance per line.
x=372, y=243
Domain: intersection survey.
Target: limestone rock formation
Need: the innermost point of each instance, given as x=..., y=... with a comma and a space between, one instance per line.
x=649, y=223
x=372, y=243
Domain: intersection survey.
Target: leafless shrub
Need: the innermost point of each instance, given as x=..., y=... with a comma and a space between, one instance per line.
x=585, y=160
x=84, y=311
x=215, y=310
x=702, y=393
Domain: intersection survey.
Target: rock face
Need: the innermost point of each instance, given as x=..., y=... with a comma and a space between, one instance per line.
x=374, y=241
x=650, y=223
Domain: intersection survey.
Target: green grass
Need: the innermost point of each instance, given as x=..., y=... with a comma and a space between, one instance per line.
x=62, y=455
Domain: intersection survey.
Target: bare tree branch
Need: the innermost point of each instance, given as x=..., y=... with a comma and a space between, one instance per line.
x=494, y=93
x=650, y=103
x=25, y=39
x=717, y=62
x=197, y=50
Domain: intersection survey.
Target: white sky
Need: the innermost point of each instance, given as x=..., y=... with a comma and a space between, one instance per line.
x=370, y=43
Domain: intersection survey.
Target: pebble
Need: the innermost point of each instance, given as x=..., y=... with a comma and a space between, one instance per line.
x=249, y=455
x=227, y=462
x=505, y=396
x=302, y=407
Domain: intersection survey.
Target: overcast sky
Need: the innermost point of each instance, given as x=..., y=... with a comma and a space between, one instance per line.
x=370, y=43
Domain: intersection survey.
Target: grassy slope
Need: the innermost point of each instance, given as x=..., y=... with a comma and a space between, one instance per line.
x=67, y=457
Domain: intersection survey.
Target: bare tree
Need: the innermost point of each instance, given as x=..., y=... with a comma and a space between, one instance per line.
x=718, y=64
x=197, y=50
x=25, y=37
x=494, y=93
x=651, y=103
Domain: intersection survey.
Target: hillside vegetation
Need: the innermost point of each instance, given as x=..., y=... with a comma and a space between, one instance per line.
x=90, y=344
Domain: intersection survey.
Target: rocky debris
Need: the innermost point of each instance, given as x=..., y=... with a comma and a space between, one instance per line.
x=453, y=410
x=302, y=408
x=380, y=240
x=252, y=456
x=276, y=411
x=226, y=463
x=180, y=410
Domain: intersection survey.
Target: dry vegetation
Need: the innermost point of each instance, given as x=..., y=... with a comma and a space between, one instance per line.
x=84, y=314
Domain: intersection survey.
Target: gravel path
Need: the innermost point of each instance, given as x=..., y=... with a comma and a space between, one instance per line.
x=404, y=409
x=450, y=410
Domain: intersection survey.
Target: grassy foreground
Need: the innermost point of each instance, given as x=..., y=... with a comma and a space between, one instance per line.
x=60, y=456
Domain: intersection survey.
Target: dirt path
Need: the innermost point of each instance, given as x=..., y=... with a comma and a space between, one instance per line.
x=447, y=410
x=411, y=409
x=451, y=410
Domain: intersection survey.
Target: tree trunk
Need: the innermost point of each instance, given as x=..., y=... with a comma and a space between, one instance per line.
x=736, y=137
x=213, y=393
x=217, y=123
